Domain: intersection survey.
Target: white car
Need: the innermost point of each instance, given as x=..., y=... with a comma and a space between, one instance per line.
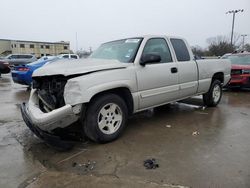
x=120, y=78
x=68, y=56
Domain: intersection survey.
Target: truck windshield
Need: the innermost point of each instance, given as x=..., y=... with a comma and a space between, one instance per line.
x=240, y=59
x=122, y=50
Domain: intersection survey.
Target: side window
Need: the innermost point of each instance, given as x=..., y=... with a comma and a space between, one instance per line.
x=74, y=56
x=65, y=56
x=160, y=47
x=180, y=49
x=27, y=56
x=14, y=57
x=10, y=57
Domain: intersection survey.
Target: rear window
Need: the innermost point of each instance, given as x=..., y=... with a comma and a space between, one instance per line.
x=180, y=49
x=239, y=59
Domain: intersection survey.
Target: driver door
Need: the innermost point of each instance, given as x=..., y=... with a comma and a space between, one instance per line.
x=157, y=81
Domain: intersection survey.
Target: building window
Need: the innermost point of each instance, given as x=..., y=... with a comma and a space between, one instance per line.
x=41, y=46
x=22, y=46
x=11, y=45
x=47, y=46
x=15, y=45
x=65, y=47
x=32, y=46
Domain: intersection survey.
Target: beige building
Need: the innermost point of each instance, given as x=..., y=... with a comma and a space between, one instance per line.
x=37, y=48
x=5, y=48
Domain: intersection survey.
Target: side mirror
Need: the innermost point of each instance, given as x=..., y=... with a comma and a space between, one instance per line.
x=150, y=58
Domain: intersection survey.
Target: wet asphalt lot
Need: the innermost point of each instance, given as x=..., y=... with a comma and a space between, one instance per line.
x=194, y=147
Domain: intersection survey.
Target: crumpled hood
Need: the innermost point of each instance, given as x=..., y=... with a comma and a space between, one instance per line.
x=78, y=66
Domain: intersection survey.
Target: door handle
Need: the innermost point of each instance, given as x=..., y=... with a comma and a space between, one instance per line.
x=174, y=70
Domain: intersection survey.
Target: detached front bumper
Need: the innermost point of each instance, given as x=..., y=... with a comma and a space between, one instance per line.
x=58, y=118
x=49, y=138
x=42, y=124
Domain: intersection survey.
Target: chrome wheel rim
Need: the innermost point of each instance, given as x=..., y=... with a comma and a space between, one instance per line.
x=109, y=118
x=216, y=93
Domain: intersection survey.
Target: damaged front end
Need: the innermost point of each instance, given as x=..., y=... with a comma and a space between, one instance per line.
x=46, y=109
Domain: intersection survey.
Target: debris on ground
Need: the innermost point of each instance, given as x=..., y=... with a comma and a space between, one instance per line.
x=203, y=113
x=86, y=167
x=168, y=126
x=195, y=133
x=243, y=113
x=151, y=164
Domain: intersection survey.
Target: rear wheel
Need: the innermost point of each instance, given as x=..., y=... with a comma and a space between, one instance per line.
x=105, y=118
x=213, y=96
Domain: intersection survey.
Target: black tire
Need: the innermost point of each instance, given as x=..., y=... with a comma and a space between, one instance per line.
x=208, y=98
x=93, y=114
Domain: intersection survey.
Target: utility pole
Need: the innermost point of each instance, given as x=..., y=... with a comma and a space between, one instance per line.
x=243, y=40
x=76, y=43
x=233, y=12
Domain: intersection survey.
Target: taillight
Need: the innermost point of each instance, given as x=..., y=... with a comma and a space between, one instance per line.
x=23, y=69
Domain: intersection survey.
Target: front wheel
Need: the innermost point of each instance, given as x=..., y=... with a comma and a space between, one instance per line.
x=105, y=119
x=213, y=96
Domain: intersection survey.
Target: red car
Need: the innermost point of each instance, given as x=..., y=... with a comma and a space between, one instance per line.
x=4, y=67
x=240, y=72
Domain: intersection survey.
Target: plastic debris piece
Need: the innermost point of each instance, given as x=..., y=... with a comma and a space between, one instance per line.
x=203, y=113
x=195, y=133
x=151, y=164
x=86, y=167
x=168, y=126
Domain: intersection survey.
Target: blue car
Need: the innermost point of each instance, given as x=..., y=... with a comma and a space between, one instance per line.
x=23, y=74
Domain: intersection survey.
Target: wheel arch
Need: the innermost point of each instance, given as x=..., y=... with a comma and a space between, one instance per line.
x=122, y=92
x=218, y=76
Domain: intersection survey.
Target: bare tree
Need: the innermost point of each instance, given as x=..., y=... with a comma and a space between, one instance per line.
x=198, y=51
x=247, y=47
x=220, y=45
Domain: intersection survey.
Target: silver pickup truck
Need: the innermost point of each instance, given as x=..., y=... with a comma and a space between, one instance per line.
x=120, y=78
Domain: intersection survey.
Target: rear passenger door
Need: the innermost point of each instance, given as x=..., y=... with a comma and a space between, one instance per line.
x=187, y=68
x=158, y=81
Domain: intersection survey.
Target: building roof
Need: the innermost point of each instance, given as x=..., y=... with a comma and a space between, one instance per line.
x=27, y=41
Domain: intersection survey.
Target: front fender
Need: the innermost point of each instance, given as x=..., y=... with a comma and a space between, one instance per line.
x=82, y=89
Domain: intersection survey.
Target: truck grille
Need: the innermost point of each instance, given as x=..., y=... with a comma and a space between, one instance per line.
x=50, y=92
x=236, y=71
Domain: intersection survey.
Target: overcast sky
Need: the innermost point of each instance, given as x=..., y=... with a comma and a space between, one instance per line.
x=97, y=21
